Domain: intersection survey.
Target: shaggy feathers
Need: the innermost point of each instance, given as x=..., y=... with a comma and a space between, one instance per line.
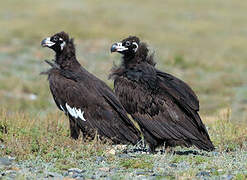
x=164, y=106
x=89, y=103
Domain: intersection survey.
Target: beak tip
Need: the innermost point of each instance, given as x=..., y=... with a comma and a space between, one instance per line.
x=113, y=48
x=43, y=43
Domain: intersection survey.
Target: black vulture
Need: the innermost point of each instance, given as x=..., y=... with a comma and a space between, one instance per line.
x=165, y=107
x=89, y=103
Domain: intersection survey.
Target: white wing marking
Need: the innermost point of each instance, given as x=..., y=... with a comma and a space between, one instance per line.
x=75, y=112
x=62, y=108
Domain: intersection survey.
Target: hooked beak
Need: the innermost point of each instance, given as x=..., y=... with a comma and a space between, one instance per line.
x=118, y=47
x=47, y=42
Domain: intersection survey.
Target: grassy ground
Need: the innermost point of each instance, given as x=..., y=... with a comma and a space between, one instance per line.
x=201, y=42
x=35, y=141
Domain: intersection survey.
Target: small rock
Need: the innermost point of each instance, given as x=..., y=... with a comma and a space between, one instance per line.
x=106, y=169
x=144, y=172
x=141, y=173
x=215, y=153
x=9, y=173
x=99, y=159
x=111, y=152
x=66, y=174
x=142, y=177
x=155, y=174
x=55, y=175
x=75, y=175
x=114, y=170
x=32, y=97
x=120, y=147
x=2, y=146
x=124, y=156
x=5, y=161
x=14, y=168
x=227, y=177
x=173, y=165
x=80, y=178
x=103, y=175
x=76, y=170
x=11, y=158
x=203, y=173
x=183, y=165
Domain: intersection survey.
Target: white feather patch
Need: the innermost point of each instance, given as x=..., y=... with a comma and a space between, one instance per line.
x=136, y=46
x=74, y=112
x=62, y=108
x=62, y=45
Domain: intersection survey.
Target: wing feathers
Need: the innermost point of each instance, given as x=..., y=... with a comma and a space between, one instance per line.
x=93, y=106
x=178, y=89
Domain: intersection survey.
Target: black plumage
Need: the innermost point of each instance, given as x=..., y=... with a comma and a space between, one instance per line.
x=165, y=107
x=89, y=103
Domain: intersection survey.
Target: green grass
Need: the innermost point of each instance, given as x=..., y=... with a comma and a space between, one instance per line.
x=202, y=42
x=140, y=163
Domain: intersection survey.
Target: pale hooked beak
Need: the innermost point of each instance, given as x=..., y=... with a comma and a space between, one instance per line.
x=47, y=42
x=118, y=47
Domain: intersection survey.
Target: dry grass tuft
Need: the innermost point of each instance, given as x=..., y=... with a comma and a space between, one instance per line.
x=27, y=137
x=227, y=135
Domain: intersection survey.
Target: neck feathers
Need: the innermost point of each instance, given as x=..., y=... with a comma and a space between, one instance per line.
x=141, y=56
x=67, y=58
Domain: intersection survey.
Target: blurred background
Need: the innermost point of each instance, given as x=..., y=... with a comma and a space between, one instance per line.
x=202, y=42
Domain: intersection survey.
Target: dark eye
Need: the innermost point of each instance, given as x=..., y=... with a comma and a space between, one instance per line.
x=127, y=43
x=55, y=39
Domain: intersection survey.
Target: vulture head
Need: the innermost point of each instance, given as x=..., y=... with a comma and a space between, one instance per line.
x=133, y=50
x=57, y=42
x=128, y=46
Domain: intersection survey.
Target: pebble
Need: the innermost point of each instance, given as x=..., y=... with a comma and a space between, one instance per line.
x=144, y=172
x=120, y=147
x=55, y=175
x=203, y=173
x=75, y=175
x=173, y=165
x=111, y=152
x=2, y=146
x=106, y=169
x=76, y=170
x=99, y=159
x=183, y=165
x=9, y=173
x=4, y=161
x=124, y=156
x=227, y=177
x=141, y=173
x=215, y=153
x=80, y=178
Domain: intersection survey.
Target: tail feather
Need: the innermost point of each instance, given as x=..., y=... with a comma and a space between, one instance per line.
x=207, y=145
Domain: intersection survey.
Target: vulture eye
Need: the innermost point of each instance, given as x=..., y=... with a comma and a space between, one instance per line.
x=127, y=43
x=55, y=39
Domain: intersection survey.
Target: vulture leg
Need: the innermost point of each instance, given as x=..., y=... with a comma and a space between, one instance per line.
x=74, y=129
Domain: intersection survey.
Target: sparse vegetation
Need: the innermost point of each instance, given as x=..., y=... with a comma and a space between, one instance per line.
x=202, y=42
